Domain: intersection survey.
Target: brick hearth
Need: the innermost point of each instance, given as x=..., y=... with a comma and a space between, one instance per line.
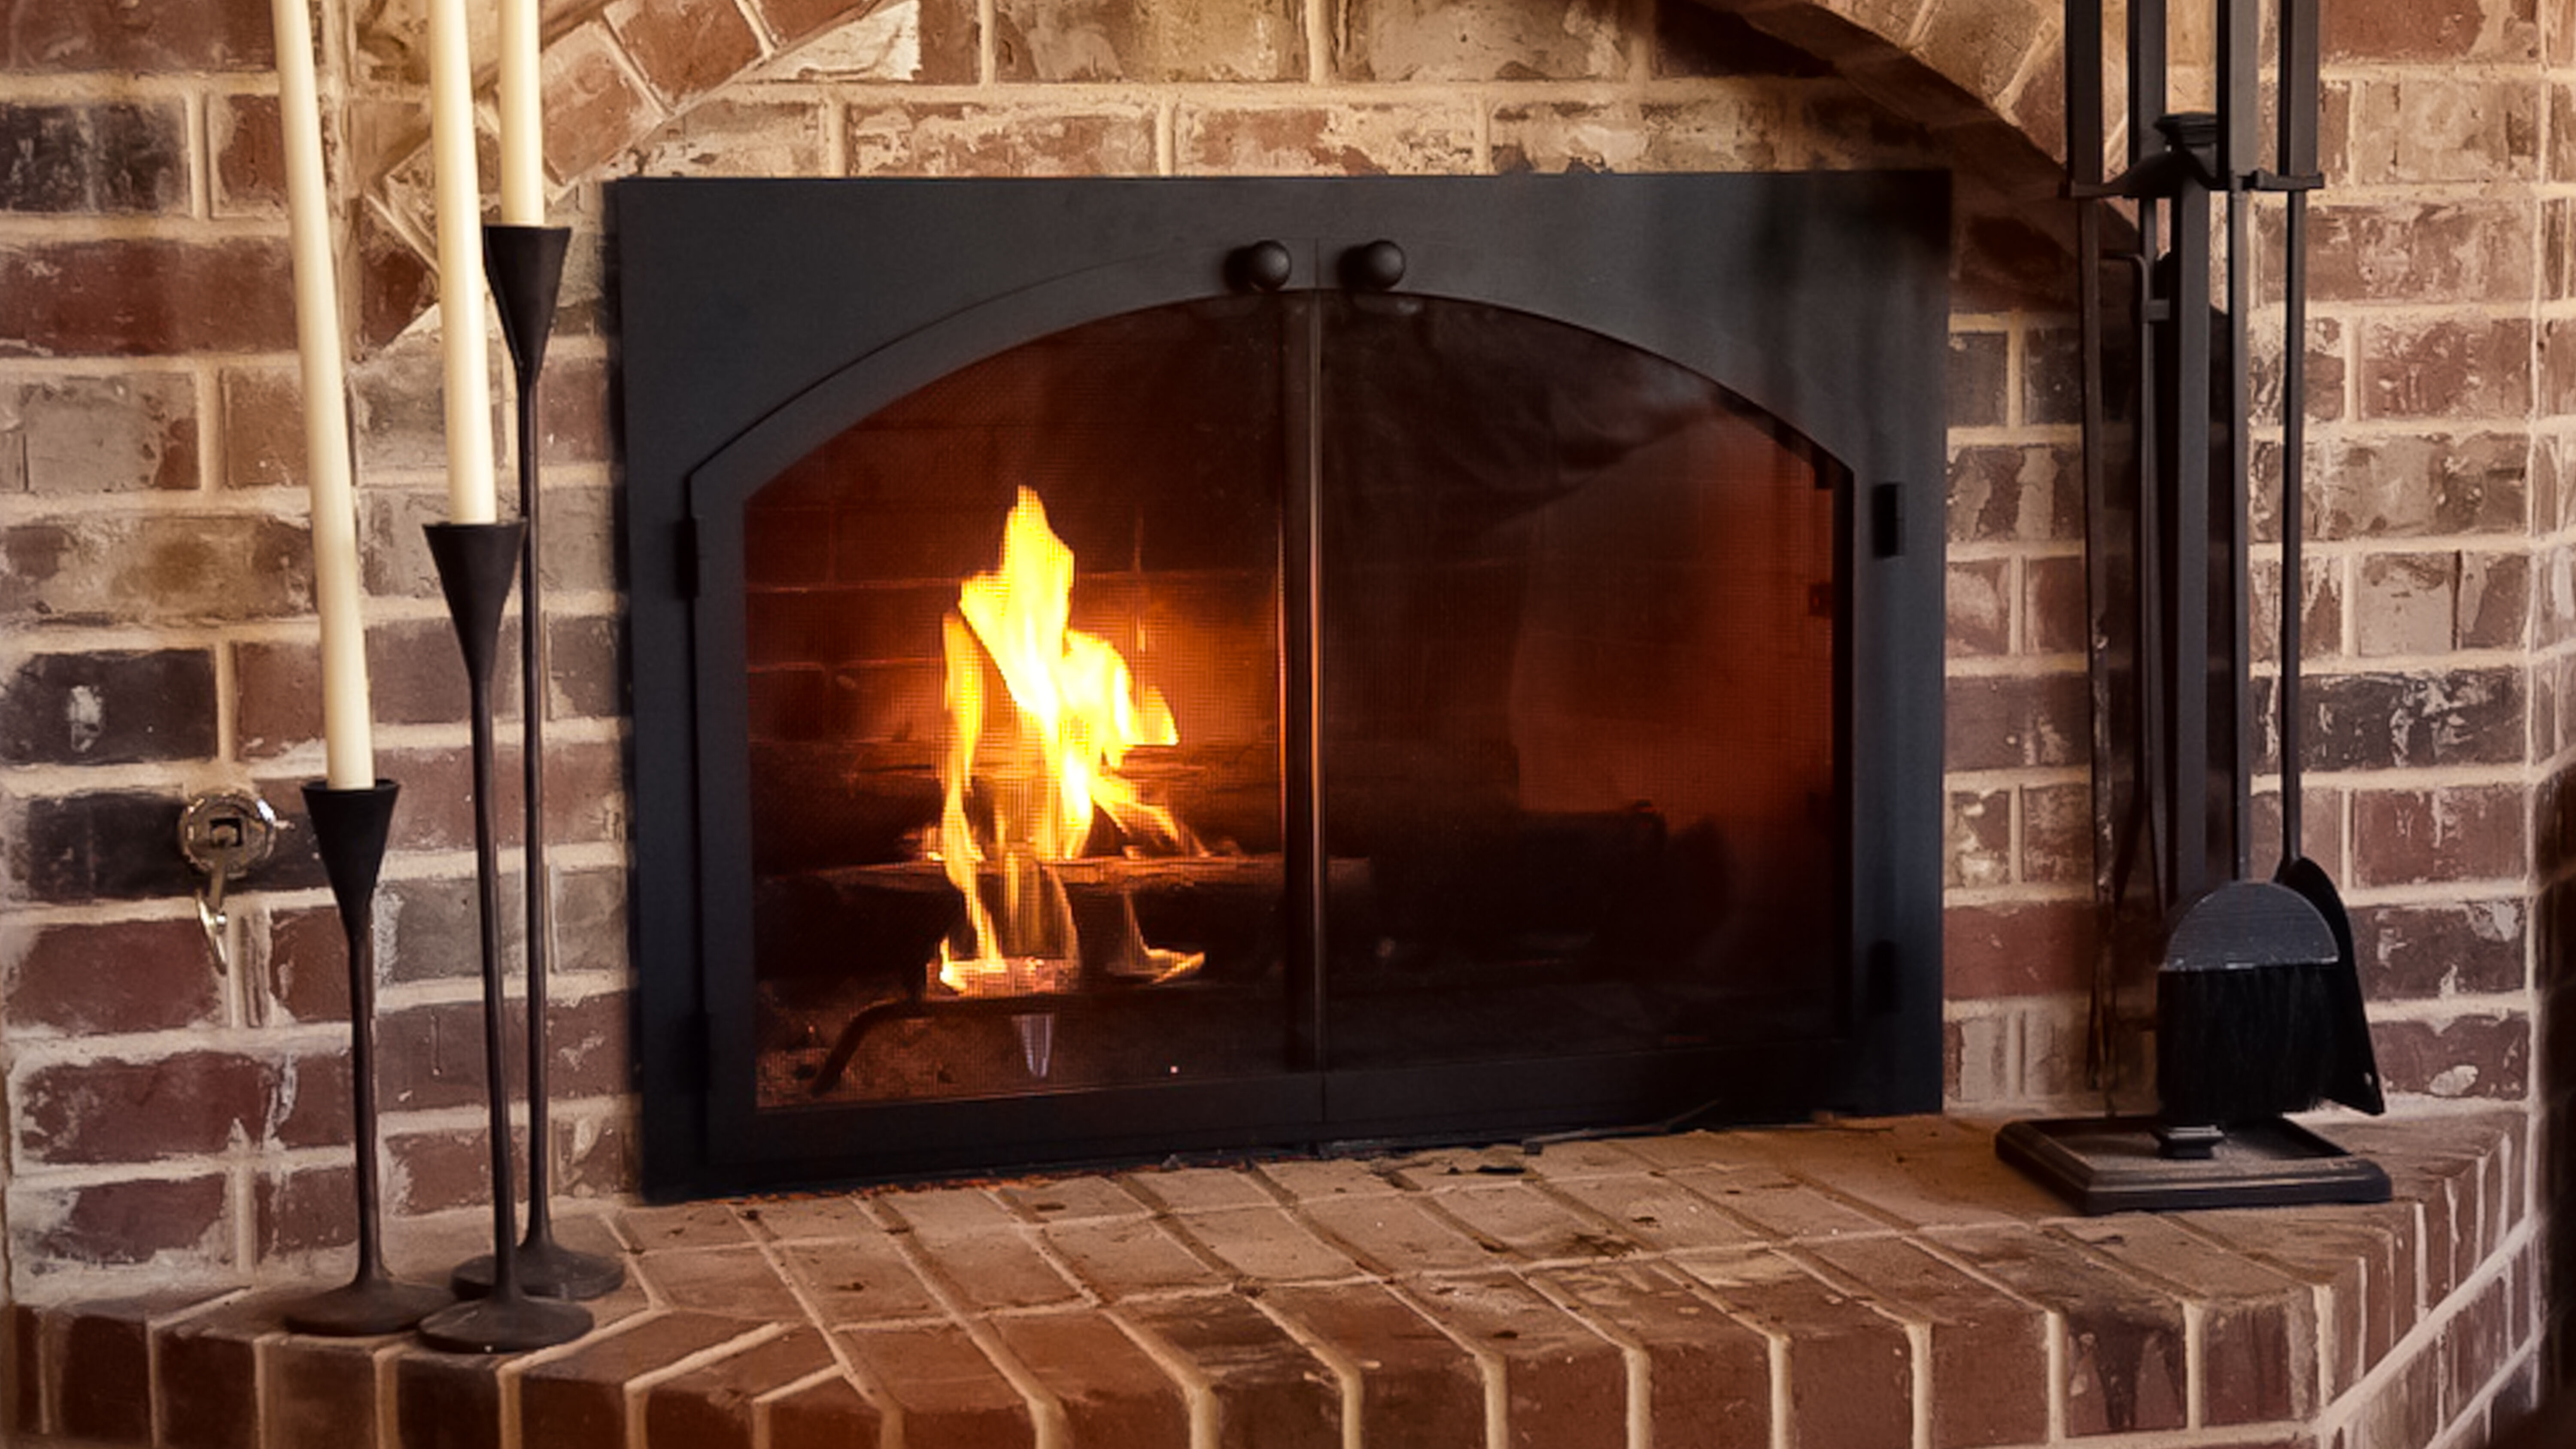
x=1868, y=1285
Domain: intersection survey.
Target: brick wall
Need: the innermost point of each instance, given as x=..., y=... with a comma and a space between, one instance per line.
x=168, y=1122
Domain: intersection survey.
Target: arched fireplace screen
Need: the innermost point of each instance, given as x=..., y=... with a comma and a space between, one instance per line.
x=1220, y=695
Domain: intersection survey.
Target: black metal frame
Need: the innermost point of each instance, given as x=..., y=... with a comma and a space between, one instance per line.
x=759, y=318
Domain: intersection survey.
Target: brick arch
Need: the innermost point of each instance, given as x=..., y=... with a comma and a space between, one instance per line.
x=1983, y=75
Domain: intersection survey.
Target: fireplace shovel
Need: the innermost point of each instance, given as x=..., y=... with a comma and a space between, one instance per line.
x=2352, y=1073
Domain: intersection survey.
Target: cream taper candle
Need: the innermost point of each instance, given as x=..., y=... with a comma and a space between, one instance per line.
x=460, y=267
x=348, y=725
x=523, y=127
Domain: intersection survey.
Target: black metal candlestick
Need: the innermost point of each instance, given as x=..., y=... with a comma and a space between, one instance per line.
x=475, y=562
x=349, y=830
x=524, y=266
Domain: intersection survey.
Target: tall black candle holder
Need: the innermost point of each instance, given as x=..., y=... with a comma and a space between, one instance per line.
x=349, y=830
x=475, y=563
x=524, y=266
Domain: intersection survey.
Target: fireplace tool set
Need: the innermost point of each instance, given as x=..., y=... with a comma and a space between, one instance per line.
x=516, y=1297
x=2259, y=1008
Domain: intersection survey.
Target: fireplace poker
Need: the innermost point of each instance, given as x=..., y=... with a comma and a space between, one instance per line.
x=475, y=564
x=524, y=265
x=349, y=830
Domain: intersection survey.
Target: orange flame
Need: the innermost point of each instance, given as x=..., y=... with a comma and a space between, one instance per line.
x=1044, y=772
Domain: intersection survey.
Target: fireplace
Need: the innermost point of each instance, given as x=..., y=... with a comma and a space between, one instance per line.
x=1133, y=667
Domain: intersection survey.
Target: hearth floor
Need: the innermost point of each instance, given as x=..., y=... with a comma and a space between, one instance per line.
x=1857, y=1285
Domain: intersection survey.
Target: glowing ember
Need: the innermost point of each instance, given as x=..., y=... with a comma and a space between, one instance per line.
x=1041, y=773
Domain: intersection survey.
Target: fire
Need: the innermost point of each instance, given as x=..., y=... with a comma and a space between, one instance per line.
x=1044, y=769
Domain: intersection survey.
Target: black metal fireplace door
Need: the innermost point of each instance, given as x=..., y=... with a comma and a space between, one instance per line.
x=1135, y=667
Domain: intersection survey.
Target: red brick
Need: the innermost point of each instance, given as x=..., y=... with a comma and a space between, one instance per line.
x=1657, y=1211
x=1708, y=1377
x=2407, y=604
x=2125, y=1366
x=2401, y=486
x=831, y=1414
x=1348, y=140
x=249, y=144
x=68, y=35
x=123, y=976
x=306, y=972
x=1124, y=1257
x=2419, y=251
x=1978, y=850
x=947, y=34
x=2445, y=717
x=1850, y=1367
x=2446, y=369
x=1983, y=1340
x=163, y=568
x=2475, y=1348
x=188, y=1104
x=684, y=50
x=2442, y=949
x=101, y=1356
x=573, y=414
x=1564, y=1386
x=2432, y=30
x=1416, y=1386
x=737, y=1282
x=2408, y=1407
x=2017, y=721
x=1111, y=1392
x=712, y=1406
x=131, y=1221
x=1979, y=603
x=592, y=109
x=1978, y=375
x=2258, y=1329
x=1979, y=47
x=1270, y=1391
x=941, y=1388
x=974, y=1243
x=1242, y=40
x=121, y=432
x=960, y=140
x=427, y=1172
x=302, y=1211
x=2435, y=126
x=263, y=436
x=321, y=1392
x=1394, y=1234
x=446, y=1401
x=2027, y=949
x=2486, y=1055
x=2366, y=1264
x=25, y=1391
x=315, y=1106
x=110, y=708
x=578, y=1400
x=1389, y=40
x=205, y=1371
x=1264, y=1243
x=2016, y=494
x=2468, y=832
x=141, y=297
x=395, y=282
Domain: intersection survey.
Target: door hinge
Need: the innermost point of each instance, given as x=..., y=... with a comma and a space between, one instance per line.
x=1887, y=520
x=1882, y=984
